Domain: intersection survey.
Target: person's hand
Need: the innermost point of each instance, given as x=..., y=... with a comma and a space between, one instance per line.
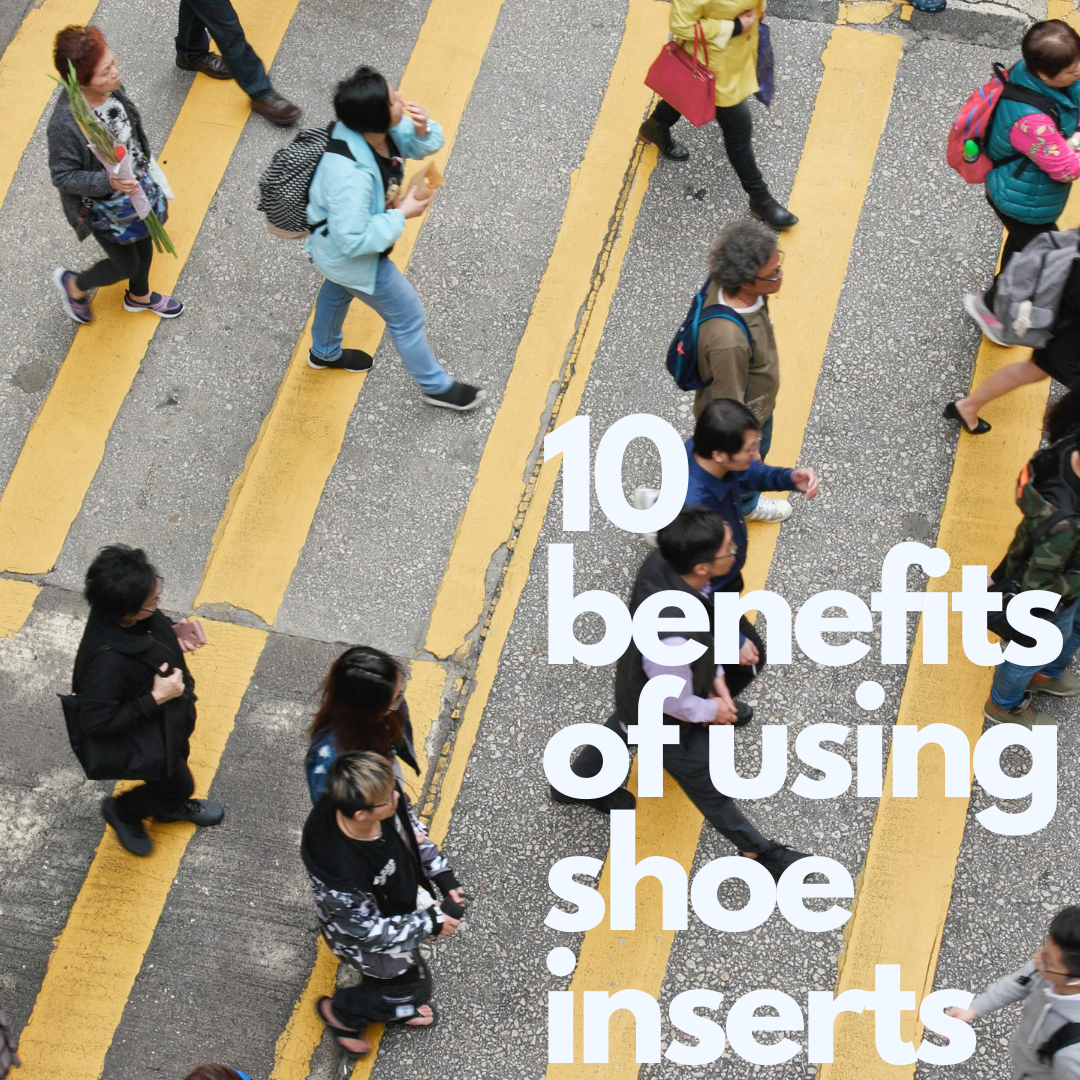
x=747, y=19
x=167, y=686
x=725, y=706
x=748, y=654
x=411, y=206
x=185, y=643
x=457, y=896
x=419, y=115
x=806, y=481
x=967, y=1015
x=126, y=186
x=449, y=924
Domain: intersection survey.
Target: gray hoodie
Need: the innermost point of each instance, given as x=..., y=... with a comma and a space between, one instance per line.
x=1044, y=1012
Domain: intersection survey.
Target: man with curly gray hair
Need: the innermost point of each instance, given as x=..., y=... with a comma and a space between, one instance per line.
x=738, y=359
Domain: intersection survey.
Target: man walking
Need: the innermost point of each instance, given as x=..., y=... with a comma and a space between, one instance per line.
x=201, y=19
x=696, y=548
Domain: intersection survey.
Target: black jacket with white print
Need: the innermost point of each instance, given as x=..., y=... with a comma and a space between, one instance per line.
x=374, y=898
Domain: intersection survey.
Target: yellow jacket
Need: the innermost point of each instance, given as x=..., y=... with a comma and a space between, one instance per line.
x=732, y=59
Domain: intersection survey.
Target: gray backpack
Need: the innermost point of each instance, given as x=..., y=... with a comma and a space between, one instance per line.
x=1030, y=288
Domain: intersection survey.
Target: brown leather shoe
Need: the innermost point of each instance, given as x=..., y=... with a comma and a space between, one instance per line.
x=211, y=64
x=276, y=109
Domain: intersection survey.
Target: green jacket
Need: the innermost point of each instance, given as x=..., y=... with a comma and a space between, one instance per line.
x=1042, y=490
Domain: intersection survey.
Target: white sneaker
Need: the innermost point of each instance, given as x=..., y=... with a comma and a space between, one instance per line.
x=771, y=510
x=984, y=318
x=644, y=498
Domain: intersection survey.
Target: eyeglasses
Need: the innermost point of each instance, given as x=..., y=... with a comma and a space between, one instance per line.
x=151, y=610
x=779, y=270
x=380, y=805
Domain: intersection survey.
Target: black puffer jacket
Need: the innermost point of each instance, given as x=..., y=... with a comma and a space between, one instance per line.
x=119, y=719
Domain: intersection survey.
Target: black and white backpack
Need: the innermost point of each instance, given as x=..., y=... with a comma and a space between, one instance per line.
x=284, y=186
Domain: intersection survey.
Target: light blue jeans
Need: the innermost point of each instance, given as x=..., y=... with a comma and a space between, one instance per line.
x=397, y=304
x=1011, y=680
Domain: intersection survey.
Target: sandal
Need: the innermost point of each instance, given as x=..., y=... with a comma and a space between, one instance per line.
x=340, y=1033
x=423, y=1027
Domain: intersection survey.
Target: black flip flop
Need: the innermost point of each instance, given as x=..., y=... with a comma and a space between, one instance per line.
x=422, y=1027
x=340, y=1033
x=951, y=412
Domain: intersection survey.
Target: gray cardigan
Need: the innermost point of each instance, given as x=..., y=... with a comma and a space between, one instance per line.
x=76, y=173
x=1044, y=1012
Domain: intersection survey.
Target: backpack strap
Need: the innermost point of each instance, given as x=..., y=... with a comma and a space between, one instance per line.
x=333, y=146
x=722, y=311
x=1024, y=96
x=1066, y=1035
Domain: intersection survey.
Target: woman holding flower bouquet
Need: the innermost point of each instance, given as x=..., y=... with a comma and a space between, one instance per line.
x=100, y=162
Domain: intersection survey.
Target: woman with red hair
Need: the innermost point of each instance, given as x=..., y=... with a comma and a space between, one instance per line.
x=96, y=203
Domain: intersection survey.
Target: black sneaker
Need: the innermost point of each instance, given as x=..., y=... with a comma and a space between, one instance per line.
x=349, y=360
x=461, y=396
x=777, y=859
x=201, y=812
x=744, y=712
x=619, y=799
x=132, y=838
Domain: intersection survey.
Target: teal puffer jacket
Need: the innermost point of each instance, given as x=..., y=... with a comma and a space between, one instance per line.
x=1020, y=188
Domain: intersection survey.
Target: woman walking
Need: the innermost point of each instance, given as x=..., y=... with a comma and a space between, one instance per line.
x=96, y=203
x=363, y=708
x=732, y=36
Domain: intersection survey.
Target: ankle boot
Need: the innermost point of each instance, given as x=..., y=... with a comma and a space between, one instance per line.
x=765, y=208
x=652, y=131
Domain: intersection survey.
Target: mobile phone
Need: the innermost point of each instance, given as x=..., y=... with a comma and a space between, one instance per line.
x=190, y=633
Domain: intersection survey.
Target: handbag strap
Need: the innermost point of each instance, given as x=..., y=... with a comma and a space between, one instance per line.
x=699, y=31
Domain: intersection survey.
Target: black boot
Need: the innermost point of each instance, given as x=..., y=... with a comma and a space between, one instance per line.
x=652, y=131
x=765, y=208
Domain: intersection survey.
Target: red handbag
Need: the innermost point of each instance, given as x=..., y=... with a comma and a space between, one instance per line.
x=682, y=81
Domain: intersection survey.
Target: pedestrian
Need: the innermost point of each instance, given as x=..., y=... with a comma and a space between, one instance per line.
x=374, y=871
x=363, y=707
x=201, y=19
x=696, y=549
x=1044, y=554
x=1058, y=359
x=745, y=268
x=358, y=212
x=1036, y=163
x=136, y=698
x=95, y=203
x=216, y=1072
x=732, y=37
x=1046, y=1043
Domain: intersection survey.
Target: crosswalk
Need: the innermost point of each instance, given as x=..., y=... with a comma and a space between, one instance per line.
x=480, y=609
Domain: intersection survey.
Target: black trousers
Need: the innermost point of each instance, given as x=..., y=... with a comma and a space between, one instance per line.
x=156, y=796
x=218, y=17
x=383, y=1000
x=131, y=261
x=737, y=127
x=1018, y=234
x=688, y=763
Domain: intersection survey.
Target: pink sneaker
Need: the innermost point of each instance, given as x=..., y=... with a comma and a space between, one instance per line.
x=984, y=318
x=165, y=306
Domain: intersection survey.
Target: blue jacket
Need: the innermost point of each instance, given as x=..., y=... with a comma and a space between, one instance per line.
x=724, y=495
x=349, y=196
x=1020, y=188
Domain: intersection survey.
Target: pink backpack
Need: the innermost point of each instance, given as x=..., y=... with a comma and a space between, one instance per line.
x=972, y=125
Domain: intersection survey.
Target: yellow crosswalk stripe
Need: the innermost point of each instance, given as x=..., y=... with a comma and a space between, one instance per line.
x=59, y=458
x=830, y=186
x=25, y=86
x=100, y=951
x=906, y=884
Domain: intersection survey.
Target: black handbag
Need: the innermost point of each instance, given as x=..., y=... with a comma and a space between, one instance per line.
x=138, y=755
x=996, y=622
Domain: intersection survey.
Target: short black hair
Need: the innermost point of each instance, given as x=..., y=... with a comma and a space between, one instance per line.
x=695, y=536
x=722, y=426
x=1065, y=930
x=362, y=102
x=118, y=581
x=1050, y=47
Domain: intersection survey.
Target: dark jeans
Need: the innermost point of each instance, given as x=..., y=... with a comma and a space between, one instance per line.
x=750, y=498
x=379, y=1000
x=131, y=261
x=156, y=796
x=737, y=126
x=1018, y=234
x=688, y=763
x=218, y=17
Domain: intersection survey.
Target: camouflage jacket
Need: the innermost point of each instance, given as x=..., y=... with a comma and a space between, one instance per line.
x=1042, y=490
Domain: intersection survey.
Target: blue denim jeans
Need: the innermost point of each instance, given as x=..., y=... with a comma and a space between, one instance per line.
x=750, y=498
x=218, y=17
x=1011, y=680
x=396, y=302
